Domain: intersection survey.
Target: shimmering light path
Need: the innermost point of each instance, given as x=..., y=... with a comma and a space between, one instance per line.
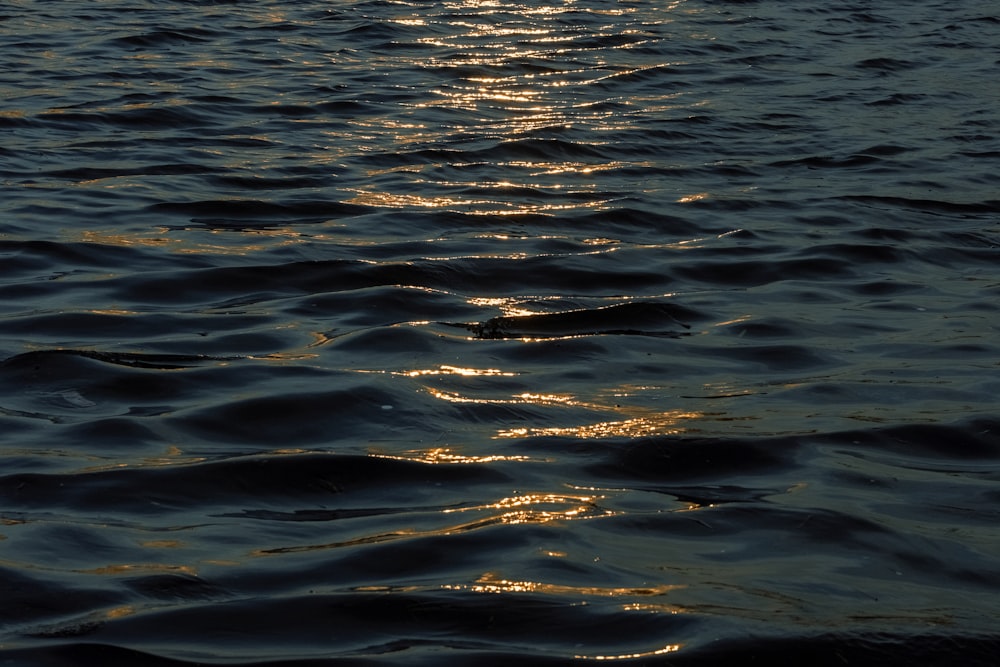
x=466, y=332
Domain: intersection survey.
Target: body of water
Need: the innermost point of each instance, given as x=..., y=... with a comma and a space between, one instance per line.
x=479, y=332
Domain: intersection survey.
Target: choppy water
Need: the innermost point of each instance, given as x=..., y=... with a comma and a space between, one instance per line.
x=454, y=332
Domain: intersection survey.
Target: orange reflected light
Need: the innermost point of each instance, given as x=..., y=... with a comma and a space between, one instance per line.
x=390, y=200
x=736, y=320
x=670, y=648
x=446, y=370
x=162, y=544
x=120, y=612
x=467, y=206
x=285, y=236
x=552, y=168
x=665, y=423
x=284, y=356
x=124, y=240
x=115, y=312
x=514, y=511
x=472, y=4
x=456, y=370
x=526, y=509
x=508, y=306
x=585, y=502
x=658, y=608
x=525, y=398
x=687, y=199
x=446, y=455
x=149, y=568
x=490, y=582
x=646, y=422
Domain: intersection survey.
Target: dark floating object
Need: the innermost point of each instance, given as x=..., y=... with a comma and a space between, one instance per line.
x=635, y=319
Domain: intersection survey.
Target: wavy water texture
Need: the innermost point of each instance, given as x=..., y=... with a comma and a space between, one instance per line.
x=468, y=332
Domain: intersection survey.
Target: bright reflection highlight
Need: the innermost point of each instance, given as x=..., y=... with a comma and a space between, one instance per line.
x=141, y=569
x=470, y=206
x=455, y=370
x=446, y=455
x=640, y=422
x=670, y=648
x=525, y=509
x=498, y=96
x=540, y=508
x=525, y=398
x=447, y=370
x=491, y=582
x=666, y=423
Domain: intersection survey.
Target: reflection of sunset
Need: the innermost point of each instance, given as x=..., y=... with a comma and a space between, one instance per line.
x=447, y=370
x=142, y=569
x=669, y=648
x=637, y=422
x=215, y=241
x=666, y=423
x=556, y=506
x=447, y=455
x=157, y=238
x=490, y=97
x=491, y=582
x=553, y=168
x=525, y=398
x=469, y=206
x=540, y=508
x=454, y=370
x=509, y=306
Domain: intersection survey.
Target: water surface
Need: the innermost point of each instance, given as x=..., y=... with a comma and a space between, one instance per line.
x=464, y=332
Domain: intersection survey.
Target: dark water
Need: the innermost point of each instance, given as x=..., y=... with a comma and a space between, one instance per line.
x=474, y=332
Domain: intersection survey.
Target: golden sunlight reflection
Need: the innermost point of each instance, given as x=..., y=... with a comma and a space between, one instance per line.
x=486, y=7
x=445, y=455
x=538, y=508
x=114, y=312
x=456, y=370
x=638, y=421
x=552, y=168
x=515, y=306
x=162, y=544
x=284, y=356
x=526, y=509
x=736, y=320
x=141, y=569
x=123, y=240
x=669, y=648
x=578, y=506
x=169, y=459
x=491, y=582
x=228, y=242
x=534, y=168
x=391, y=200
x=469, y=206
x=446, y=370
x=525, y=398
x=502, y=103
x=227, y=247
x=509, y=306
x=120, y=612
x=664, y=423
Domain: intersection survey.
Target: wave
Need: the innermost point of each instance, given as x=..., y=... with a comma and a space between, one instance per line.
x=432, y=333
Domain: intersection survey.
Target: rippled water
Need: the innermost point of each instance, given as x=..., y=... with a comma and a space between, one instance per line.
x=454, y=332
